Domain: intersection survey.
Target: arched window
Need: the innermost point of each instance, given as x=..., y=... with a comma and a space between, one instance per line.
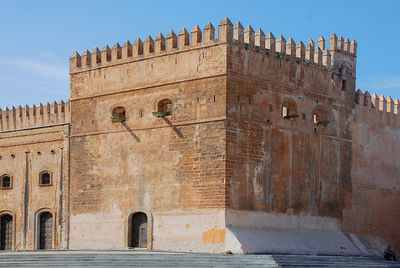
x=5, y=182
x=45, y=178
x=118, y=114
x=164, y=108
x=289, y=110
x=320, y=117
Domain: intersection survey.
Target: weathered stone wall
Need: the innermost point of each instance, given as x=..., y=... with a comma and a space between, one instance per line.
x=24, y=155
x=149, y=70
x=373, y=209
x=162, y=166
x=278, y=165
x=272, y=164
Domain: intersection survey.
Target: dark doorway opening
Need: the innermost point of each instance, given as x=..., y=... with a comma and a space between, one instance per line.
x=139, y=230
x=46, y=230
x=6, y=232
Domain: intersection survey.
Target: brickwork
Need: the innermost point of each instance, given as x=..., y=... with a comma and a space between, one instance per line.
x=187, y=159
x=291, y=166
x=253, y=132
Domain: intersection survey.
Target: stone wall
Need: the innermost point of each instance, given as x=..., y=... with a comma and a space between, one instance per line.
x=372, y=208
x=24, y=155
x=289, y=166
x=172, y=165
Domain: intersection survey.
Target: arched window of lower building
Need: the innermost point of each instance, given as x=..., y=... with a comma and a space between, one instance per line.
x=138, y=230
x=6, y=232
x=5, y=182
x=45, y=230
x=45, y=178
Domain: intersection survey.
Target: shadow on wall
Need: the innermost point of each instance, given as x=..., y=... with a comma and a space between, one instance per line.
x=131, y=132
x=178, y=132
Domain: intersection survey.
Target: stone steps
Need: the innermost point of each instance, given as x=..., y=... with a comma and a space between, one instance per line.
x=136, y=260
x=331, y=261
x=129, y=259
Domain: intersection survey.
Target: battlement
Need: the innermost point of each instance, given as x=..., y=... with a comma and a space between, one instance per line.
x=374, y=103
x=314, y=53
x=35, y=116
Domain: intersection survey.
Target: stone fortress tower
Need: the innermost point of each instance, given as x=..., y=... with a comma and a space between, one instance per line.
x=241, y=142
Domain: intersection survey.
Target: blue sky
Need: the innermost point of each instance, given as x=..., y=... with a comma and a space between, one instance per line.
x=37, y=37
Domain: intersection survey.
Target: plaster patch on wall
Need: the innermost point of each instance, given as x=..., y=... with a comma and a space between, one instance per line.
x=214, y=236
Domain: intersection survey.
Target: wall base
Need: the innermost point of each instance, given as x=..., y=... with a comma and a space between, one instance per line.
x=287, y=241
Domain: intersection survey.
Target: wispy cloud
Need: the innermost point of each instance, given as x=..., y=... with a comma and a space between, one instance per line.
x=46, y=69
x=32, y=80
x=50, y=55
x=394, y=83
x=380, y=82
x=27, y=81
x=388, y=85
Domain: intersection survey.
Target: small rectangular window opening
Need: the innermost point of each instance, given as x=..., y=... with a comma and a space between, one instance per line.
x=289, y=111
x=164, y=108
x=320, y=118
x=271, y=108
x=6, y=182
x=167, y=108
x=118, y=114
x=45, y=179
x=343, y=85
x=284, y=111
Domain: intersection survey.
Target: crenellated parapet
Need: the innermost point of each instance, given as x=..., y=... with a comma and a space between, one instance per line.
x=315, y=54
x=365, y=103
x=149, y=47
x=35, y=116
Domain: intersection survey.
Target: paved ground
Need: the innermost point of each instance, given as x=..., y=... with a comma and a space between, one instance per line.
x=157, y=259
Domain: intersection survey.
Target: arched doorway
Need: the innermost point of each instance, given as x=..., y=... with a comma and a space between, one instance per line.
x=6, y=232
x=139, y=230
x=46, y=230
